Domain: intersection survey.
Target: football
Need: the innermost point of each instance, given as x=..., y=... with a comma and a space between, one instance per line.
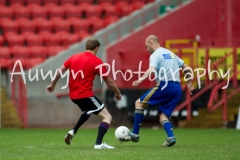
x=121, y=132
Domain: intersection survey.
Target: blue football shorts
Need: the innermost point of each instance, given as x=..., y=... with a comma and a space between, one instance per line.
x=168, y=98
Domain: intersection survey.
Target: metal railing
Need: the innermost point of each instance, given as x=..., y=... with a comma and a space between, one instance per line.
x=216, y=84
x=19, y=97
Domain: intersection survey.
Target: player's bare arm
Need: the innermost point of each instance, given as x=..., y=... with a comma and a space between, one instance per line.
x=150, y=70
x=113, y=87
x=186, y=70
x=61, y=70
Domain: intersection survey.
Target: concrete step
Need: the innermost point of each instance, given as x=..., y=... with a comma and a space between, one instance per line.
x=217, y=111
x=216, y=124
x=9, y=114
x=12, y=124
x=6, y=103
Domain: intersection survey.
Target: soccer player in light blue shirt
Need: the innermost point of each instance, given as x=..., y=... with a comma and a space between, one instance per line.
x=167, y=92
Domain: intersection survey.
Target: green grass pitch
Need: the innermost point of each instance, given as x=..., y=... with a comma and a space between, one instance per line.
x=48, y=144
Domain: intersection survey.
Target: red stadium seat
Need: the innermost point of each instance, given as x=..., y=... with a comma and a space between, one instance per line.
x=49, y=5
x=60, y=33
x=110, y=11
x=51, y=40
x=105, y=1
x=6, y=12
x=5, y=52
x=149, y=1
x=27, y=26
x=21, y=20
x=133, y=1
x=54, y=50
x=84, y=5
x=21, y=12
x=93, y=20
x=111, y=19
x=80, y=24
x=137, y=5
x=82, y=34
x=44, y=33
x=3, y=2
x=68, y=39
x=7, y=34
x=56, y=11
x=98, y=25
x=125, y=11
x=5, y=63
x=66, y=5
x=15, y=40
x=105, y=4
x=68, y=1
x=73, y=11
x=10, y=26
x=34, y=61
x=93, y=10
x=39, y=12
x=43, y=25
x=37, y=52
x=20, y=52
x=13, y=2
x=15, y=5
x=34, y=2
x=1, y=40
x=61, y=25
x=33, y=5
x=4, y=20
x=51, y=1
x=120, y=1
x=34, y=40
x=85, y=1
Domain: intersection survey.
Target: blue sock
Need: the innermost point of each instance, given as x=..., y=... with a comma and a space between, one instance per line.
x=168, y=128
x=138, y=119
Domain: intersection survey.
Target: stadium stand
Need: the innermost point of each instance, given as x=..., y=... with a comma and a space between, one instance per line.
x=34, y=24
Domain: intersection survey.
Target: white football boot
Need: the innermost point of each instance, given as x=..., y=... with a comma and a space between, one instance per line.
x=103, y=146
x=69, y=137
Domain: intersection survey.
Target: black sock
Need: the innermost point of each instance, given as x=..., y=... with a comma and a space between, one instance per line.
x=83, y=118
x=102, y=129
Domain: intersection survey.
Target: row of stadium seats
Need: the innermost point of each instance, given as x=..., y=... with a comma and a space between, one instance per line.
x=25, y=26
x=43, y=39
x=29, y=52
x=69, y=10
x=59, y=2
x=33, y=30
x=27, y=63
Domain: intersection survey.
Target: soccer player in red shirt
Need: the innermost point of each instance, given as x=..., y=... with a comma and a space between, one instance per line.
x=83, y=67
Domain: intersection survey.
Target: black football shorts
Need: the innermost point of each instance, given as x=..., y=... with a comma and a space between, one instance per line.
x=89, y=105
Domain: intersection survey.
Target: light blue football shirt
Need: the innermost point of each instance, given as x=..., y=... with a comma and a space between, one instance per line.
x=167, y=65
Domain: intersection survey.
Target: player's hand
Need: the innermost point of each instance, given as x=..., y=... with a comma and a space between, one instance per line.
x=136, y=83
x=50, y=88
x=190, y=87
x=118, y=96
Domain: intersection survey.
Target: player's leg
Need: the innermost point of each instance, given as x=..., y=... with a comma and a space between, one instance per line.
x=140, y=105
x=138, y=119
x=166, y=125
x=102, y=129
x=166, y=109
x=138, y=116
x=171, y=140
x=83, y=118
